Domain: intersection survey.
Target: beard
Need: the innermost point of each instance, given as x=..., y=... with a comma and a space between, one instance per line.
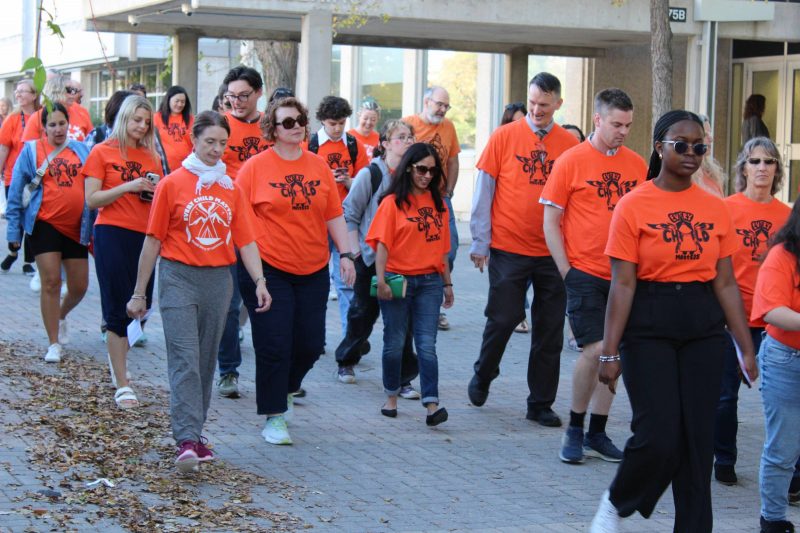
x=435, y=119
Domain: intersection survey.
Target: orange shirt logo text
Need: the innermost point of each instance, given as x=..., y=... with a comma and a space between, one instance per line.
x=756, y=238
x=250, y=147
x=687, y=235
x=207, y=218
x=176, y=131
x=299, y=192
x=131, y=171
x=610, y=186
x=335, y=161
x=429, y=222
x=63, y=171
x=537, y=162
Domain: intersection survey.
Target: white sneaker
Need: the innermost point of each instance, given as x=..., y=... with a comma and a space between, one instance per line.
x=36, y=282
x=63, y=332
x=64, y=289
x=332, y=296
x=606, y=520
x=289, y=414
x=275, y=431
x=53, y=354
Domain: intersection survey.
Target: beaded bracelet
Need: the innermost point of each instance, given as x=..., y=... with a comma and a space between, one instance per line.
x=262, y=278
x=608, y=358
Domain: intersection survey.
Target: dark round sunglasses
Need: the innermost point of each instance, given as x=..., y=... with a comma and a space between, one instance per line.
x=289, y=122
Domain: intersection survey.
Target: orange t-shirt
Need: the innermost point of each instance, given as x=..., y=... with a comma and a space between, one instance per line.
x=62, y=191
x=442, y=136
x=370, y=141
x=417, y=236
x=11, y=137
x=520, y=163
x=106, y=164
x=293, y=201
x=755, y=224
x=175, y=139
x=80, y=124
x=244, y=142
x=776, y=286
x=199, y=229
x=671, y=236
x=587, y=185
x=336, y=155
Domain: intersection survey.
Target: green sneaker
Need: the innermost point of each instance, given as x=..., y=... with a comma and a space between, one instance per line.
x=289, y=414
x=275, y=430
x=228, y=386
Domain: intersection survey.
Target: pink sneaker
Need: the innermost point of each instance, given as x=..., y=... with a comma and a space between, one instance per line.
x=203, y=452
x=187, y=458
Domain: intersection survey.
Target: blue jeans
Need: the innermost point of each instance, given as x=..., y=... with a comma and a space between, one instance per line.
x=420, y=310
x=451, y=256
x=780, y=393
x=343, y=292
x=229, y=356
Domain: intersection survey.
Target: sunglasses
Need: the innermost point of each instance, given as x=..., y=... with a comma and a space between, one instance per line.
x=73, y=90
x=289, y=122
x=681, y=147
x=769, y=161
x=422, y=170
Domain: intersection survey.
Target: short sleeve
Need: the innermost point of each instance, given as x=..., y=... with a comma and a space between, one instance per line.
x=95, y=165
x=383, y=225
x=623, y=237
x=490, y=158
x=775, y=284
x=158, y=221
x=6, y=131
x=244, y=223
x=556, y=190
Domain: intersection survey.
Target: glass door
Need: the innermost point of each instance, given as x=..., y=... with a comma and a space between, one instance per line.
x=791, y=149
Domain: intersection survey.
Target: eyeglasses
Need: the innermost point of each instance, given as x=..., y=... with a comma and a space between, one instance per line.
x=240, y=97
x=403, y=138
x=73, y=90
x=20, y=91
x=769, y=161
x=681, y=147
x=422, y=170
x=289, y=122
x=441, y=105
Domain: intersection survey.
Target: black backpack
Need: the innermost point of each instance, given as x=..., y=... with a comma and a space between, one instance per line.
x=352, y=146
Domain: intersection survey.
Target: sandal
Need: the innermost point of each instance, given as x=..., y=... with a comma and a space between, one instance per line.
x=113, y=376
x=126, y=398
x=522, y=327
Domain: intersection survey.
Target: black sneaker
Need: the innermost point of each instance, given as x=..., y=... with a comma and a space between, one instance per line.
x=477, y=391
x=5, y=266
x=28, y=269
x=776, y=526
x=545, y=417
x=794, y=490
x=725, y=474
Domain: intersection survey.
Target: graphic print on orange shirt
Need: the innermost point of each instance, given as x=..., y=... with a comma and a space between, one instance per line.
x=208, y=222
x=429, y=221
x=250, y=146
x=131, y=171
x=756, y=237
x=610, y=186
x=63, y=171
x=297, y=191
x=537, y=166
x=337, y=160
x=687, y=235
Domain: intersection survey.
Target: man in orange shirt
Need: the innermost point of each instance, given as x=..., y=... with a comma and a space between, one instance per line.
x=579, y=199
x=507, y=219
x=431, y=126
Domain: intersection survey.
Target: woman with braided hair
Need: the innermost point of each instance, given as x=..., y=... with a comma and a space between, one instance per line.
x=672, y=292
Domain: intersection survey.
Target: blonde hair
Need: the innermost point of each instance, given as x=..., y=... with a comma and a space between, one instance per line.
x=36, y=103
x=710, y=169
x=56, y=88
x=119, y=133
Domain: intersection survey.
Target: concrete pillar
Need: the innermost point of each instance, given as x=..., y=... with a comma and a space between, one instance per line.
x=314, y=60
x=184, y=63
x=349, y=84
x=516, y=77
x=414, y=74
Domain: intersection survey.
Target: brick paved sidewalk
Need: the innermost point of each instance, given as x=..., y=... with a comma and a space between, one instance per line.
x=486, y=469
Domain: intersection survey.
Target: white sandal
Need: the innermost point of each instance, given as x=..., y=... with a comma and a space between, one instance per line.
x=125, y=398
x=113, y=376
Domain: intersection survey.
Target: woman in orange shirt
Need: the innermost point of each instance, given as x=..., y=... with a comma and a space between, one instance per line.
x=174, y=123
x=197, y=217
x=120, y=174
x=411, y=237
x=368, y=117
x=55, y=221
x=672, y=292
x=297, y=205
x=56, y=89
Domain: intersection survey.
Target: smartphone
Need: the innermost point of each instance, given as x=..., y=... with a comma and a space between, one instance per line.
x=153, y=178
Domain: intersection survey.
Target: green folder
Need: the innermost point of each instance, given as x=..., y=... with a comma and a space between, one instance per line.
x=396, y=282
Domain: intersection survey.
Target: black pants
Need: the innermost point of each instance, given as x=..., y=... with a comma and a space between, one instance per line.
x=361, y=317
x=27, y=252
x=508, y=278
x=672, y=354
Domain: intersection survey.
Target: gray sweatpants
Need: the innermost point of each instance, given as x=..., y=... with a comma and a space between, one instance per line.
x=193, y=317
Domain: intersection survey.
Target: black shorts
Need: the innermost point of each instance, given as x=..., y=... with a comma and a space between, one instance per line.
x=587, y=297
x=45, y=239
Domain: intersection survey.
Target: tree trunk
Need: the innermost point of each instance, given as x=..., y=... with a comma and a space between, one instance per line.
x=661, y=51
x=279, y=62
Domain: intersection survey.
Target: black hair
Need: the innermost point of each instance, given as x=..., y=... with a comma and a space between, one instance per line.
x=206, y=119
x=57, y=106
x=510, y=110
x=789, y=235
x=547, y=83
x=613, y=98
x=138, y=87
x=250, y=75
x=280, y=92
x=754, y=106
x=333, y=108
x=665, y=122
x=113, y=105
x=165, y=111
x=575, y=128
x=401, y=182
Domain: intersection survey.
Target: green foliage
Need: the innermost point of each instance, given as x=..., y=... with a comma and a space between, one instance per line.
x=35, y=63
x=459, y=74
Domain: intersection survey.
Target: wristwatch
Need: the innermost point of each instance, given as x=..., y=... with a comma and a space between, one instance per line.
x=348, y=255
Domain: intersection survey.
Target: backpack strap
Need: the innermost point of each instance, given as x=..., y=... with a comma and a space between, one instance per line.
x=313, y=143
x=352, y=147
x=376, y=175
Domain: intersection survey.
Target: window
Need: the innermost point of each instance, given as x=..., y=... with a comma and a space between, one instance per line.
x=104, y=85
x=381, y=78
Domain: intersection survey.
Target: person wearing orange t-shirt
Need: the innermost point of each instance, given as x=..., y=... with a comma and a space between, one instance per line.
x=672, y=293
x=55, y=221
x=120, y=176
x=174, y=124
x=368, y=117
x=507, y=219
x=579, y=198
x=10, y=146
x=410, y=237
x=431, y=126
x=346, y=156
x=297, y=206
x=243, y=87
x=776, y=302
x=61, y=89
x=198, y=215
